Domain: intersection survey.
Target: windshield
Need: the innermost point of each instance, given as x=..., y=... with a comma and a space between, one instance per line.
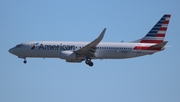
x=19, y=45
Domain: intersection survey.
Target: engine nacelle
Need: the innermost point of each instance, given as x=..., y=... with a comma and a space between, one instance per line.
x=68, y=55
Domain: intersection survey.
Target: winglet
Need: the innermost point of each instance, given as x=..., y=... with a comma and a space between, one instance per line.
x=102, y=34
x=97, y=40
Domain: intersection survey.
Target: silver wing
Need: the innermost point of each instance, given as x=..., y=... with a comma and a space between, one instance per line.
x=90, y=49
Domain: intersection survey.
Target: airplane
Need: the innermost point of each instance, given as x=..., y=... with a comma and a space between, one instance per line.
x=77, y=52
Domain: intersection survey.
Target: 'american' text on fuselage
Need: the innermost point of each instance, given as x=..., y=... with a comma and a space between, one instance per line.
x=56, y=47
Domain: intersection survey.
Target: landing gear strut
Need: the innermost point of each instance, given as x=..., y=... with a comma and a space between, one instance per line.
x=24, y=61
x=88, y=62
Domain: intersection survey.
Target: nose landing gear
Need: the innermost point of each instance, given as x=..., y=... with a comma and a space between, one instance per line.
x=89, y=62
x=25, y=61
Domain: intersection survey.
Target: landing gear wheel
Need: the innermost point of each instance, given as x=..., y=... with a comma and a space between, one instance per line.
x=91, y=64
x=88, y=62
x=24, y=61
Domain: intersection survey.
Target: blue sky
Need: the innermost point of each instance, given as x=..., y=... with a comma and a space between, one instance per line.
x=152, y=78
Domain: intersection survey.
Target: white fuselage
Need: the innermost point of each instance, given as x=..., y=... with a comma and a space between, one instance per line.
x=104, y=50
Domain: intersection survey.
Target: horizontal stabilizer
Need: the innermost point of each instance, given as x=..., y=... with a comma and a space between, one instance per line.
x=159, y=45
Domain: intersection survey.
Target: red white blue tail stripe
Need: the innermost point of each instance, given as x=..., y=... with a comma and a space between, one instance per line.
x=157, y=33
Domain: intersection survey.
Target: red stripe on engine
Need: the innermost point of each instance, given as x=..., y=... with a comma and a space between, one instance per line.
x=160, y=35
x=151, y=41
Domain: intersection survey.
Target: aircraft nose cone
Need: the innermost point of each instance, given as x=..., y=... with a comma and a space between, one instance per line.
x=11, y=50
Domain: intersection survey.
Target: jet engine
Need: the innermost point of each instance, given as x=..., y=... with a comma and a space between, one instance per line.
x=70, y=56
x=67, y=55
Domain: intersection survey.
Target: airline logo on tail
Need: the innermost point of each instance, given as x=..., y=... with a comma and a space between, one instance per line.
x=157, y=33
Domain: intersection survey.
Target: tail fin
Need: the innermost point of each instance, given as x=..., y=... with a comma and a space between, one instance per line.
x=157, y=33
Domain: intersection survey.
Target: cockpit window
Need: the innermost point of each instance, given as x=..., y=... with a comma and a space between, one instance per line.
x=19, y=45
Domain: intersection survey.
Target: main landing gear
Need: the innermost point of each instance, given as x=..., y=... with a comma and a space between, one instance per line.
x=88, y=62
